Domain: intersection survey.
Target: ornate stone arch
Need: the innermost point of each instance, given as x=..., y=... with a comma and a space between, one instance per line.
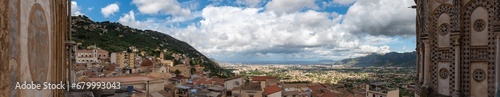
x=442, y=29
x=470, y=54
x=441, y=55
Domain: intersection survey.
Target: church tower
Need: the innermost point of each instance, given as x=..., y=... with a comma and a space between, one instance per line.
x=458, y=47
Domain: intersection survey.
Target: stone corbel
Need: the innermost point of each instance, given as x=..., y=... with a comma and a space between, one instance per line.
x=424, y=36
x=455, y=36
x=496, y=27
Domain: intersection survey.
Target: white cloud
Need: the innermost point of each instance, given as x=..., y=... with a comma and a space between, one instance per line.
x=368, y=27
x=229, y=30
x=289, y=6
x=75, y=9
x=344, y=2
x=249, y=3
x=90, y=8
x=110, y=10
x=380, y=50
x=129, y=19
x=153, y=23
x=171, y=7
x=381, y=17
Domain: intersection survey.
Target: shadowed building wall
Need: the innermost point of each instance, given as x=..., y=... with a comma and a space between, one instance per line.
x=32, y=37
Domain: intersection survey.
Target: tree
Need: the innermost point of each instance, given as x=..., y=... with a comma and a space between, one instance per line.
x=177, y=72
x=193, y=71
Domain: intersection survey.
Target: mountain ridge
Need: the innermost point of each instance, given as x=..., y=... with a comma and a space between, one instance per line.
x=115, y=37
x=407, y=59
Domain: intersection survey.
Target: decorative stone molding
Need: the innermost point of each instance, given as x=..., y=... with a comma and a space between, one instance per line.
x=443, y=73
x=445, y=55
x=425, y=40
x=479, y=25
x=441, y=1
x=444, y=29
x=37, y=44
x=479, y=75
x=479, y=54
x=455, y=36
x=496, y=27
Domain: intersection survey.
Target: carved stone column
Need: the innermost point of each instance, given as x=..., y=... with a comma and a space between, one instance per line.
x=420, y=65
x=427, y=61
x=496, y=29
x=456, y=45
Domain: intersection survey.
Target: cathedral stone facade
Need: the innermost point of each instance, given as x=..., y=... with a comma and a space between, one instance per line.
x=458, y=45
x=32, y=45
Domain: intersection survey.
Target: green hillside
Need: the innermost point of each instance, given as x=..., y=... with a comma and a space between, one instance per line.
x=115, y=37
x=407, y=59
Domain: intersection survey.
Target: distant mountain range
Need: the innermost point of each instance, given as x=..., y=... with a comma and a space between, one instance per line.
x=282, y=62
x=115, y=37
x=407, y=59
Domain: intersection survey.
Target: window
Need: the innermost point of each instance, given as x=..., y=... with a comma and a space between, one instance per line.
x=236, y=83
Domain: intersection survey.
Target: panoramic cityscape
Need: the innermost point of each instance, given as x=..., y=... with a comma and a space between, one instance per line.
x=249, y=48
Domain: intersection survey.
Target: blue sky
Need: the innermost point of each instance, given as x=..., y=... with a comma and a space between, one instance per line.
x=269, y=30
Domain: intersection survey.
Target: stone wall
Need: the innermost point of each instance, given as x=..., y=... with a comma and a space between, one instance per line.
x=24, y=57
x=458, y=48
x=4, y=67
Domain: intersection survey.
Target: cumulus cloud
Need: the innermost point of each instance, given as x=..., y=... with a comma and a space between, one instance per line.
x=381, y=49
x=153, y=7
x=298, y=32
x=249, y=3
x=111, y=9
x=228, y=30
x=381, y=17
x=75, y=9
x=289, y=6
x=129, y=19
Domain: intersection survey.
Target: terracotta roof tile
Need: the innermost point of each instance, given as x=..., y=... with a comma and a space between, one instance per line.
x=317, y=87
x=123, y=79
x=271, y=89
x=147, y=62
x=111, y=68
x=329, y=94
